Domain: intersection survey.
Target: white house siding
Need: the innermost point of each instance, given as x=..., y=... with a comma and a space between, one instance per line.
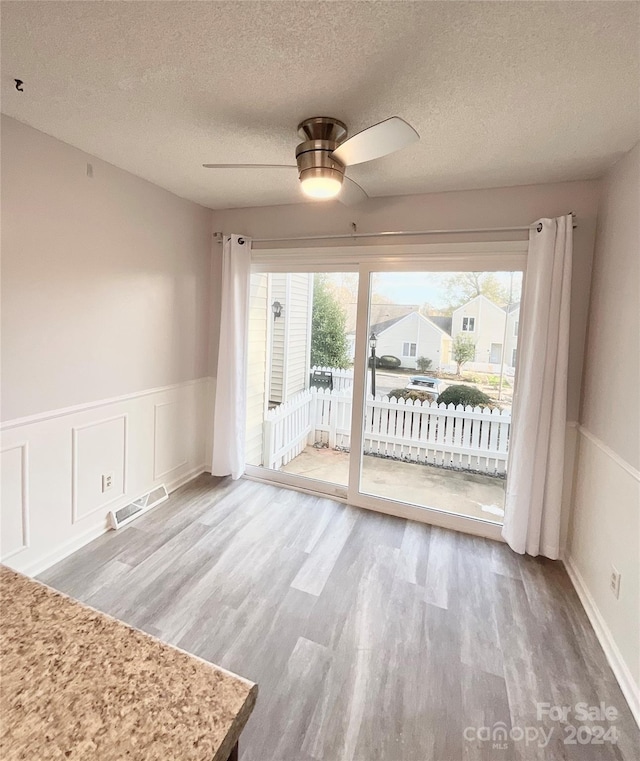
x=298, y=349
x=431, y=342
x=512, y=339
x=259, y=311
x=278, y=293
x=291, y=335
x=488, y=329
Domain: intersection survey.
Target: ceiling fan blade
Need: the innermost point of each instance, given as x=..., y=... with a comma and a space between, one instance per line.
x=351, y=194
x=249, y=166
x=374, y=142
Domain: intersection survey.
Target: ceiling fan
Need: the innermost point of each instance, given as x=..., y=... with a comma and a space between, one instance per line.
x=325, y=153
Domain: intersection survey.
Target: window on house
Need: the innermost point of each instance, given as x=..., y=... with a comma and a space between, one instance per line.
x=513, y=357
x=468, y=324
x=408, y=349
x=515, y=328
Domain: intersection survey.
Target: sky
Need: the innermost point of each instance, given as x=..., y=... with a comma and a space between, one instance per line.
x=420, y=287
x=409, y=287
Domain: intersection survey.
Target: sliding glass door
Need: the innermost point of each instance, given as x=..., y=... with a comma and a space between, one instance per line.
x=388, y=382
x=440, y=375
x=300, y=376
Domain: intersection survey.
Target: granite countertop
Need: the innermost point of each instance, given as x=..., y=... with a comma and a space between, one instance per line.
x=79, y=684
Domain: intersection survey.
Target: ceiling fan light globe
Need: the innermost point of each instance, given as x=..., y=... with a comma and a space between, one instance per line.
x=321, y=187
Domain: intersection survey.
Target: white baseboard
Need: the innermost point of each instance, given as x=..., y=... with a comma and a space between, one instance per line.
x=630, y=689
x=62, y=552
x=186, y=477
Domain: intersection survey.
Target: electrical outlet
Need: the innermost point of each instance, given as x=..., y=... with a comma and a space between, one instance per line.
x=614, y=582
x=107, y=481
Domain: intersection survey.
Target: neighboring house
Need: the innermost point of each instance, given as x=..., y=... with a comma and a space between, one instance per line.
x=290, y=335
x=413, y=336
x=279, y=348
x=513, y=324
x=257, y=353
x=379, y=313
x=491, y=328
x=444, y=323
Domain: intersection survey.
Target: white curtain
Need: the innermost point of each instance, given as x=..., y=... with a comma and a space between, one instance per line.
x=536, y=459
x=231, y=383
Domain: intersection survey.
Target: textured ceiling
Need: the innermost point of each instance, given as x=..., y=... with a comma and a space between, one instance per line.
x=501, y=93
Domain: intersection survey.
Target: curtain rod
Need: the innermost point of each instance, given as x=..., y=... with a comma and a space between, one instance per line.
x=393, y=233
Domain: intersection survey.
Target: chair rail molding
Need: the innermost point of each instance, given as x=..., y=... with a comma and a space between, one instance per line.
x=620, y=461
x=39, y=417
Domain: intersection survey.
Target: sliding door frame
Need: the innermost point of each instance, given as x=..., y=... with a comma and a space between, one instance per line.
x=365, y=260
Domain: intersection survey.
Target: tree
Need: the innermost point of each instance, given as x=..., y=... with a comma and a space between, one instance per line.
x=328, y=327
x=464, y=286
x=423, y=364
x=463, y=349
x=427, y=309
x=344, y=286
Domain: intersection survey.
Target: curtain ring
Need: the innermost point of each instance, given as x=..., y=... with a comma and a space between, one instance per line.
x=539, y=227
x=241, y=241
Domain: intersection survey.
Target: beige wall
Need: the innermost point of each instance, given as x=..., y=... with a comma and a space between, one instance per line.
x=105, y=333
x=605, y=528
x=612, y=373
x=499, y=207
x=105, y=280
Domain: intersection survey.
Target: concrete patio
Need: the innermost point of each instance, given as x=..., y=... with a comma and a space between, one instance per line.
x=469, y=494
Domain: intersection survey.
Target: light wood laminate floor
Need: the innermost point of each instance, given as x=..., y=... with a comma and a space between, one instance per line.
x=372, y=638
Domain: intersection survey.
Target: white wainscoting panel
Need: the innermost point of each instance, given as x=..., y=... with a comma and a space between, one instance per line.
x=605, y=527
x=99, y=449
x=169, y=437
x=53, y=463
x=14, y=500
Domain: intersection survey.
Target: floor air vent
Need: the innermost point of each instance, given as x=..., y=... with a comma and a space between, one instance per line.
x=128, y=513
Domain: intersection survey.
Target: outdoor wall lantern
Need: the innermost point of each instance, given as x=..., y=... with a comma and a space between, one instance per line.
x=276, y=308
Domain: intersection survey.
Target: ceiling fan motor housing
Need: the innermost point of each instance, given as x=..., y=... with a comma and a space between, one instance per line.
x=313, y=156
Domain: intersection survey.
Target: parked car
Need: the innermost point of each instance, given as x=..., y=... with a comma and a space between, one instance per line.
x=431, y=386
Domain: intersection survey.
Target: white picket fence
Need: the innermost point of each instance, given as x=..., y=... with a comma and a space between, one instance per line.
x=468, y=438
x=342, y=379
